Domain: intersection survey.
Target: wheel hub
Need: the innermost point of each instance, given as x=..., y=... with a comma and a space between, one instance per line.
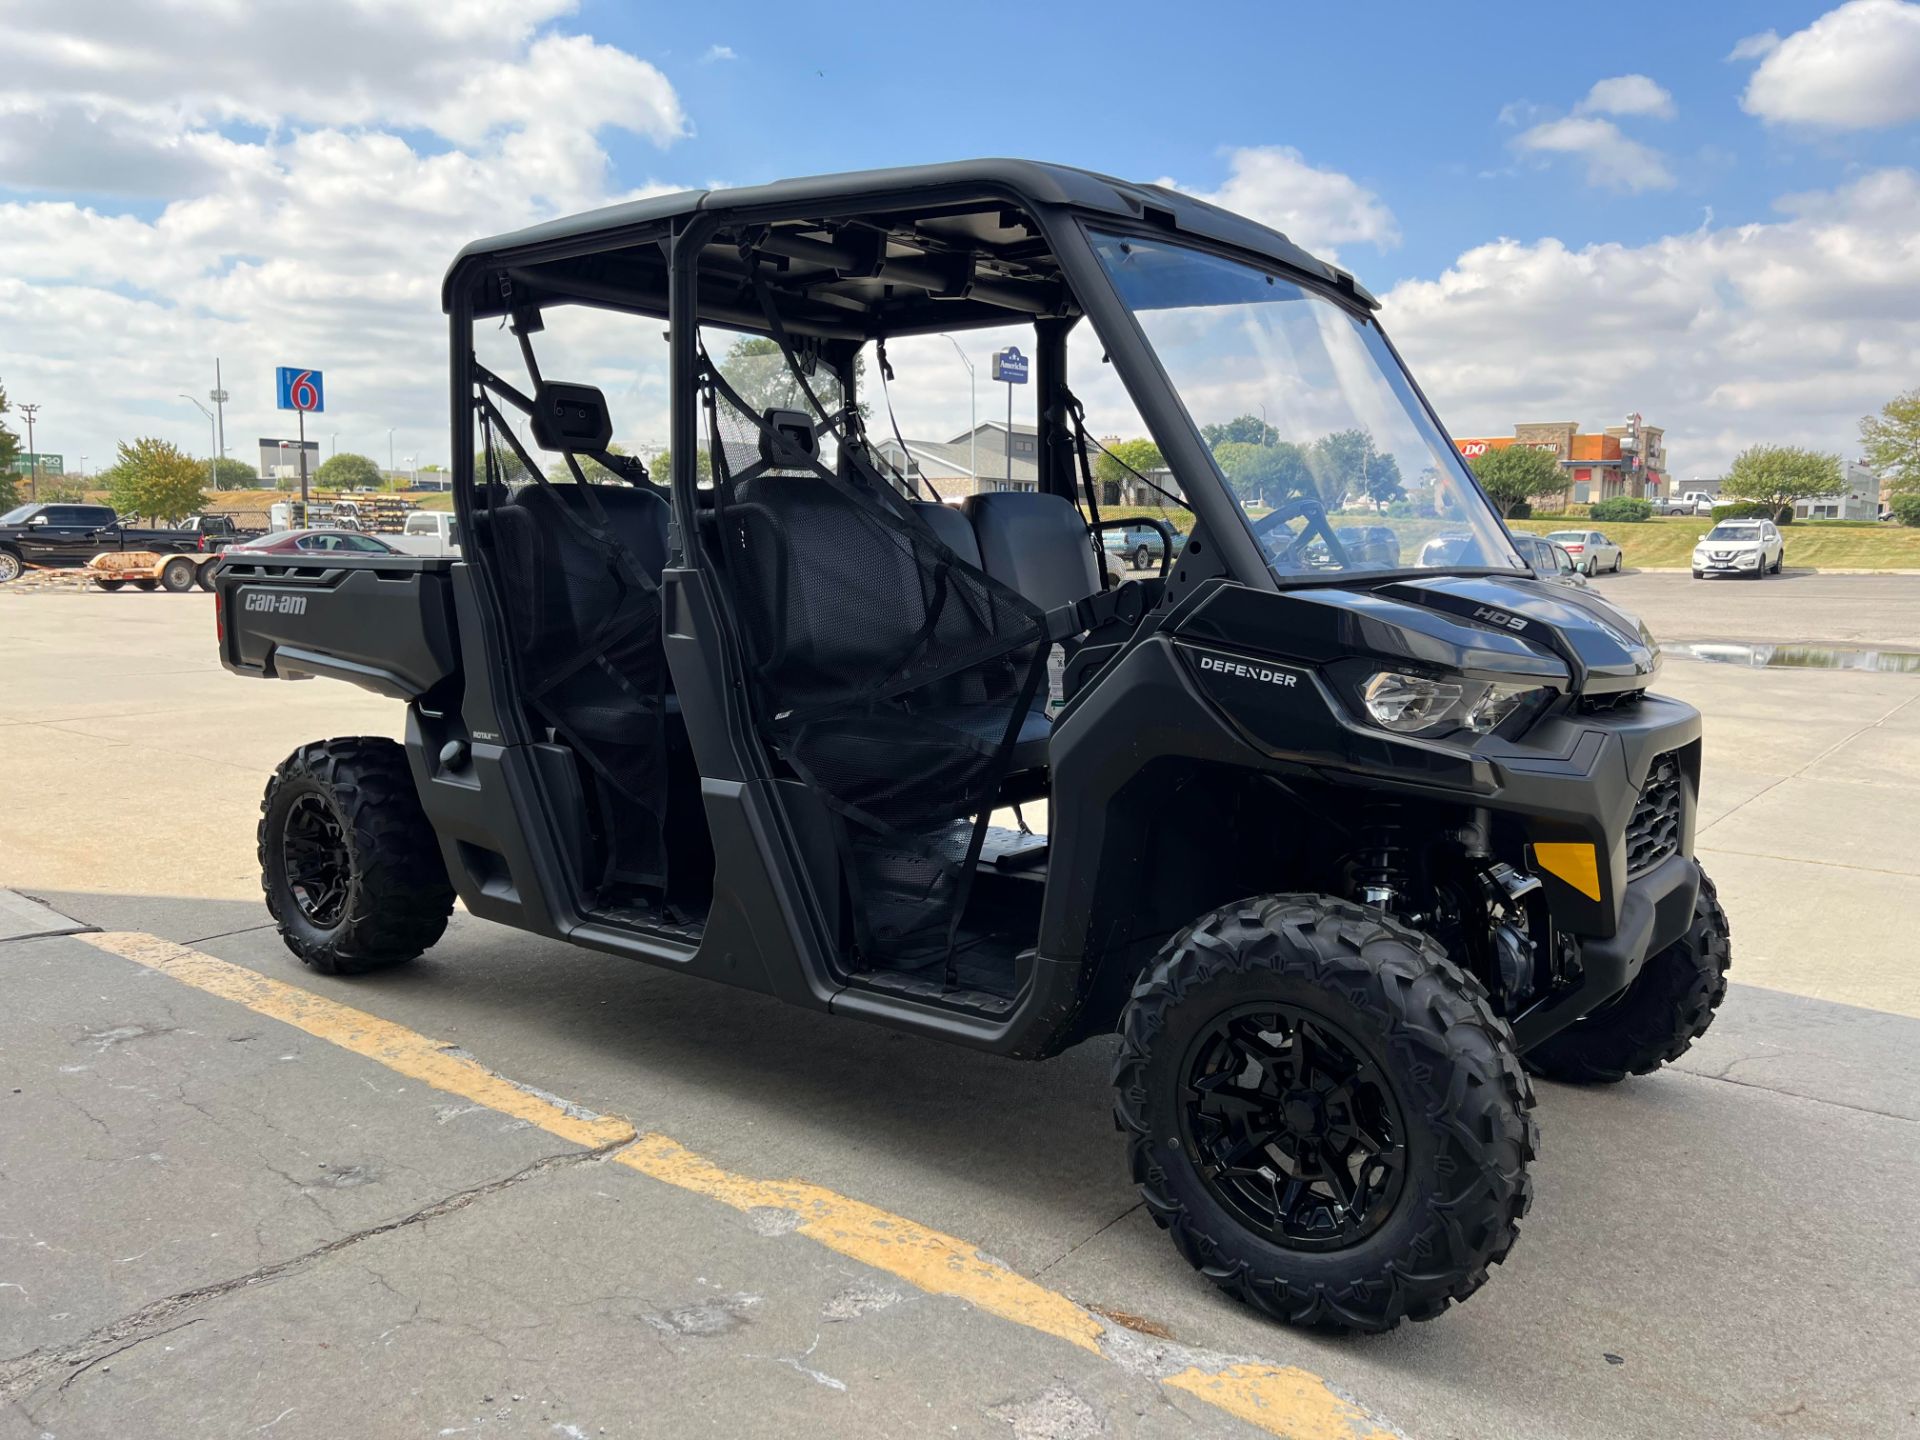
x=1293, y=1127
x=315, y=861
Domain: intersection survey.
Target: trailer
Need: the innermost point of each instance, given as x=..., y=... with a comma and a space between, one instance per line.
x=150, y=570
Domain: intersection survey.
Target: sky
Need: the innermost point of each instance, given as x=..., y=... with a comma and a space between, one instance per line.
x=1706, y=213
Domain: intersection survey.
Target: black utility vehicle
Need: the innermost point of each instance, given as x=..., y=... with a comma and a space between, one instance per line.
x=60, y=536
x=1341, y=848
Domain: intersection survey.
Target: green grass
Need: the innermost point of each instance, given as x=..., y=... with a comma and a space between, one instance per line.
x=1667, y=542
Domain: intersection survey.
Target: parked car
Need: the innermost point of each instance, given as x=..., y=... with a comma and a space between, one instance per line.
x=314, y=542
x=1740, y=547
x=1371, y=547
x=1550, y=560
x=1592, y=552
x=67, y=537
x=429, y=532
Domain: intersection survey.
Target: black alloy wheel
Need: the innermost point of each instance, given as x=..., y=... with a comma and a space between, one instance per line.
x=1295, y=1131
x=318, y=868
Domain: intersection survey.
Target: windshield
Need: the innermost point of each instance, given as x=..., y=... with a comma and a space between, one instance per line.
x=1311, y=420
x=18, y=515
x=1734, y=532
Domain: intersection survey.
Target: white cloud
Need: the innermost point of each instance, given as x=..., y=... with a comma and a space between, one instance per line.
x=274, y=213
x=1854, y=68
x=1615, y=161
x=1754, y=47
x=1316, y=209
x=1784, y=331
x=1627, y=95
x=719, y=52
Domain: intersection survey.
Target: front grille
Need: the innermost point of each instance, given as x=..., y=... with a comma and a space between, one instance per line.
x=1653, y=834
x=1608, y=702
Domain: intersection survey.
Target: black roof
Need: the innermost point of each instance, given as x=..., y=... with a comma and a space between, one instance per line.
x=1036, y=184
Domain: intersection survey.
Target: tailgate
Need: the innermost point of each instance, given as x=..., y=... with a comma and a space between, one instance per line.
x=383, y=622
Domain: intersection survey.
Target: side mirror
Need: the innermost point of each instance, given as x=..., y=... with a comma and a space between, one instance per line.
x=40, y=519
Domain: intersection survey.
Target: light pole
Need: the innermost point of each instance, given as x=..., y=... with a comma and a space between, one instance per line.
x=389, y=452
x=213, y=440
x=333, y=445
x=83, y=466
x=218, y=395
x=33, y=455
x=412, y=477
x=973, y=417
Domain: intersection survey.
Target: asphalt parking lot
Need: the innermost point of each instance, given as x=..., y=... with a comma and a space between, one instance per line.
x=627, y=1203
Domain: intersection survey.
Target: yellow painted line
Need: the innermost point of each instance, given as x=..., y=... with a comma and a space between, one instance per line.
x=394, y=1046
x=1280, y=1399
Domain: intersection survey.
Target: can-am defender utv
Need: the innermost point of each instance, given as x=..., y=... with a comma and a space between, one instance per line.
x=1350, y=821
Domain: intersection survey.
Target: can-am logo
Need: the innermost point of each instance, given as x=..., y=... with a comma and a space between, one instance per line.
x=1263, y=673
x=260, y=602
x=1501, y=618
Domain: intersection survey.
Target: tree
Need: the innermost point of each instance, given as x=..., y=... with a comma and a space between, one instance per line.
x=1241, y=430
x=1778, y=475
x=156, y=479
x=231, y=474
x=511, y=471
x=1112, y=468
x=760, y=373
x=9, y=442
x=9, y=490
x=1345, y=463
x=348, y=471
x=1515, y=474
x=62, y=490
x=1264, y=474
x=596, y=473
x=662, y=467
x=1890, y=439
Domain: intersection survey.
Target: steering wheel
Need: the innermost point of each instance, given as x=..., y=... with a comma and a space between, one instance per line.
x=1309, y=509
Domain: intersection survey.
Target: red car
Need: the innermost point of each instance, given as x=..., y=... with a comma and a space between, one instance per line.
x=313, y=542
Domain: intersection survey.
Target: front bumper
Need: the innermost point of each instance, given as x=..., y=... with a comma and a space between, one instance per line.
x=1655, y=910
x=1744, y=564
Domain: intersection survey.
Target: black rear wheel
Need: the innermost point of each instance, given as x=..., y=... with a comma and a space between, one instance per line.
x=350, y=866
x=177, y=576
x=1324, y=1113
x=108, y=585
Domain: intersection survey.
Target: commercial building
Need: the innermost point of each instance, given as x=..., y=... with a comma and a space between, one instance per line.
x=1629, y=459
x=947, y=467
x=1859, y=501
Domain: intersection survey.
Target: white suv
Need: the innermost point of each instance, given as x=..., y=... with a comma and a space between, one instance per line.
x=1740, y=547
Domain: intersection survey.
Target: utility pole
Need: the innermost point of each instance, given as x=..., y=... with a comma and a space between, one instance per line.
x=33, y=455
x=219, y=397
x=389, y=452
x=213, y=429
x=973, y=419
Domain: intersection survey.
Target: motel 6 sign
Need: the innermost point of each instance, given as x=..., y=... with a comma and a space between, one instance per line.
x=301, y=389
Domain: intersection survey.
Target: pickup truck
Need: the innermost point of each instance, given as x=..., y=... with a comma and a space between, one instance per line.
x=65, y=537
x=1138, y=545
x=215, y=532
x=428, y=532
x=1694, y=502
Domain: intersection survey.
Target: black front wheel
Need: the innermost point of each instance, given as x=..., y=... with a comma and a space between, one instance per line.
x=177, y=576
x=1656, y=1019
x=350, y=866
x=1324, y=1113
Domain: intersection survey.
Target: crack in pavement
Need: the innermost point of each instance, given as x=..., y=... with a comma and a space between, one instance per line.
x=1726, y=1079
x=23, y=1374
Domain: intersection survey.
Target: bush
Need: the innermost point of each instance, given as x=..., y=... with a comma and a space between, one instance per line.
x=1623, y=508
x=1743, y=510
x=1906, y=509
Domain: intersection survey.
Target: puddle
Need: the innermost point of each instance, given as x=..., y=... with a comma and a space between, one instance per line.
x=1803, y=657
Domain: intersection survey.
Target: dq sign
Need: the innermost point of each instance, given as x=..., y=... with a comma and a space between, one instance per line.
x=301, y=389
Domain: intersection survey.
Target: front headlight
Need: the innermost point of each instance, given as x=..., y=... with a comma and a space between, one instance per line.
x=1421, y=704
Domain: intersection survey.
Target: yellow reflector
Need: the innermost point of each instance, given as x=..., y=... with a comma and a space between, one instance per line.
x=1575, y=863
